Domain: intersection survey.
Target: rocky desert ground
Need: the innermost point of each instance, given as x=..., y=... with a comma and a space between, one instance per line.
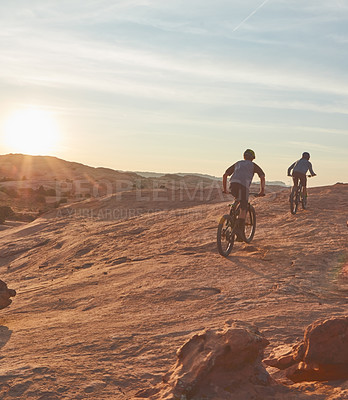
x=109, y=289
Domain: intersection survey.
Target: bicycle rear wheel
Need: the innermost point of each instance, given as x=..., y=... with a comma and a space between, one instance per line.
x=250, y=224
x=294, y=200
x=225, y=235
x=303, y=201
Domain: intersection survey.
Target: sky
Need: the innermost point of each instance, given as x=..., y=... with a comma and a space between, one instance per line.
x=177, y=85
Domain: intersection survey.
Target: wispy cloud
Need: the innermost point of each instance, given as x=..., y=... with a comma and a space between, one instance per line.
x=250, y=15
x=74, y=63
x=340, y=39
x=326, y=148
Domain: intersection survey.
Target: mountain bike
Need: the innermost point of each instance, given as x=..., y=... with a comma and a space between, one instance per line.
x=297, y=197
x=226, y=233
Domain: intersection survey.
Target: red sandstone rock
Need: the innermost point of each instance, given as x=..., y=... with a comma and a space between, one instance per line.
x=326, y=342
x=288, y=359
x=215, y=364
x=317, y=372
x=283, y=362
x=322, y=356
x=5, y=294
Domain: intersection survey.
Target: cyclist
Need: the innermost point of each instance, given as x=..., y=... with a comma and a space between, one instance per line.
x=242, y=175
x=299, y=170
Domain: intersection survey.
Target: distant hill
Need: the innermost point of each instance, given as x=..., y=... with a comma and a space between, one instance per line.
x=161, y=174
x=34, y=171
x=205, y=176
x=275, y=183
x=27, y=167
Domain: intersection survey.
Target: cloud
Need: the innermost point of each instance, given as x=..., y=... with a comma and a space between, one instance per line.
x=73, y=64
x=319, y=147
x=84, y=47
x=340, y=39
x=250, y=15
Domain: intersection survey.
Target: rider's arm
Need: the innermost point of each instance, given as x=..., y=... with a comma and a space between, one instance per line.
x=262, y=177
x=262, y=185
x=311, y=169
x=224, y=182
x=290, y=168
x=229, y=171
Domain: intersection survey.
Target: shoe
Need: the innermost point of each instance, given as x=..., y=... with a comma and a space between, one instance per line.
x=239, y=239
x=239, y=231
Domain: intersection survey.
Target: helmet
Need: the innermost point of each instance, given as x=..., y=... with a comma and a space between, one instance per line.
x=306, y=155
x=249, y=154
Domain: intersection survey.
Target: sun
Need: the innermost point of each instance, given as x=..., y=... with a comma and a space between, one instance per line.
x=31, y=131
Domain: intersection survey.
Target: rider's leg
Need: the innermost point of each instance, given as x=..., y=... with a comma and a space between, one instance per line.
x=294, y=187
x=240, y=192
x=295, y=180
x=243, y=211
x=240, y=225
x=242, y=214
x=304, y=185
x=236, y=191
x=244, y=196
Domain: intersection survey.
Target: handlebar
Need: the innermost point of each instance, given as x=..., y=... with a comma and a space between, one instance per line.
x=308, y=176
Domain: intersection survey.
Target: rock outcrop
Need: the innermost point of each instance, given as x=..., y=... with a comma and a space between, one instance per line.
x=322, y=356
x=216, y=364
x=5, y=294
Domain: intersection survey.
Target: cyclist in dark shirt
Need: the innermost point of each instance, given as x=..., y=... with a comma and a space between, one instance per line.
x=299, y=170
x=242, y=175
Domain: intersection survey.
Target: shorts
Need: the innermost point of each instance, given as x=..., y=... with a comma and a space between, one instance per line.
x=241, y=193
x=299, y=176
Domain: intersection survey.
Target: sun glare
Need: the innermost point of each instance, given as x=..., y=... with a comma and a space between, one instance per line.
x=31, y=131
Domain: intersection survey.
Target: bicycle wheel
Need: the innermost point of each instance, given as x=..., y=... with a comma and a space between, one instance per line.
x=303, y=201
x=294, y=200
x=225, y=235
x=250, y=224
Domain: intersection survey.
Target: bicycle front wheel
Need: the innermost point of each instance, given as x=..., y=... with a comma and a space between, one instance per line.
x=250, y=224
x=225, y=235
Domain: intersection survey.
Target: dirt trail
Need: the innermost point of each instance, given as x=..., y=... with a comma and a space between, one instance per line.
x=102, y=306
